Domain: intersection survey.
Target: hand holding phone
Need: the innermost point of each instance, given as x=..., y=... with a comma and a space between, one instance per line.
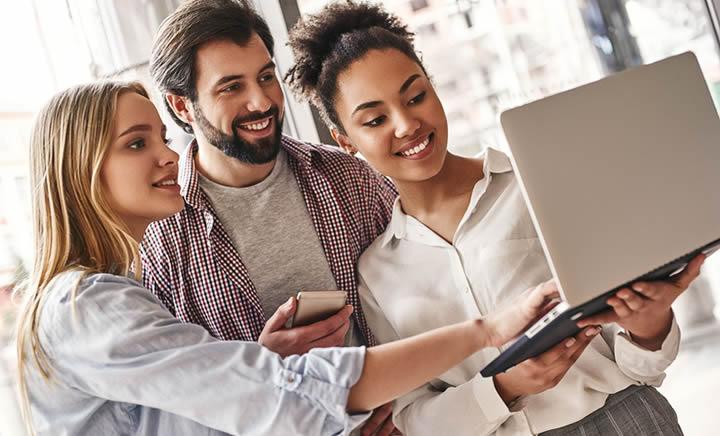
x=329, y=331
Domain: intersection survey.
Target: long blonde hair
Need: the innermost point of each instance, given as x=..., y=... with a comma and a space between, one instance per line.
x=74, y=227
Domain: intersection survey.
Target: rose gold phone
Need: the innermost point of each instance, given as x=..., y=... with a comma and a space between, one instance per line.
x=314, y=306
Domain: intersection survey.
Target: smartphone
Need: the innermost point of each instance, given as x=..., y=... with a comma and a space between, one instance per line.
x=313, y=306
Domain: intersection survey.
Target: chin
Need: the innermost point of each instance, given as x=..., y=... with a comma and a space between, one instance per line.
x=169, y=210
x=425, y=174
x=178, y=206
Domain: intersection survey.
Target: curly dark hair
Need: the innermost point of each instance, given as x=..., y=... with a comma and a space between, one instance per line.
x=326, y=43
x=194, y=23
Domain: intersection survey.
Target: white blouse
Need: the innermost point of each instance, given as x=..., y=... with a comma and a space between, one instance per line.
x=412, y=280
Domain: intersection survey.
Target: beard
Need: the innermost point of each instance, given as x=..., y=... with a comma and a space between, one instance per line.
x=253, y=152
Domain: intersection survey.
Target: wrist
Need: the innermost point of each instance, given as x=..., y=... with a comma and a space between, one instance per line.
x=478, y=333
x=652, y=338
x=506, y=393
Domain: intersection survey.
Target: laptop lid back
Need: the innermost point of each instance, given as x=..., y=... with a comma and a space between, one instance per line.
x=621, y=175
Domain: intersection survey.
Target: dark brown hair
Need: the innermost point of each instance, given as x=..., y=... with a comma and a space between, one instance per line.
x=197, y=22
x=326, y=43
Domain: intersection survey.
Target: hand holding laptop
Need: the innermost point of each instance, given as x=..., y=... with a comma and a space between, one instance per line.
x=646, y=313
x=504, y=324
x=543, y=372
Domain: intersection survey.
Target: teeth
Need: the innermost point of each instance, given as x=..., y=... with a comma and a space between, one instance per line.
x=256, y=126
x=417, y=149
x=166, y=183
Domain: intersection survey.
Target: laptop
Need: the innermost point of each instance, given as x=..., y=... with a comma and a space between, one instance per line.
x=622, y=180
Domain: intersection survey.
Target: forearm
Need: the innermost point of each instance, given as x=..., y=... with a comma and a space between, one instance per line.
x=396, y=368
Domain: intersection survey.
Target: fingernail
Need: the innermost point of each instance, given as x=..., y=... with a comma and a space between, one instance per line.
x=592, y=332
x=570, y=343
x=639, y=288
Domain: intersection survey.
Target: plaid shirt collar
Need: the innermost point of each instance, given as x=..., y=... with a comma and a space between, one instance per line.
x=188, y=178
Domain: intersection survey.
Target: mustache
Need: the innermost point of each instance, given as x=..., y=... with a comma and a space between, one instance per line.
x=255, y=116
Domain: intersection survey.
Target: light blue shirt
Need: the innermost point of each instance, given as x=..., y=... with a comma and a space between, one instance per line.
x=122, y=365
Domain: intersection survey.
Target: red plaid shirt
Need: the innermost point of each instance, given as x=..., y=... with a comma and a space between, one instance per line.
x=190, y=263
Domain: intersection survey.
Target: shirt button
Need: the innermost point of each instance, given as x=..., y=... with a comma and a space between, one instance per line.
x=290, y=379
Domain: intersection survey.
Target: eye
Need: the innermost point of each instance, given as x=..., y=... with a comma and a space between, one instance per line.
x=167, y=141
x=137, y=145
x=418, y=98
x=375, y=121
x=268, y=77
x=230, y=88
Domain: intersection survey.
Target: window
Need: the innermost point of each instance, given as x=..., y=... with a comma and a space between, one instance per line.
x=505, y=53
x=426, y=30
x=417, y=5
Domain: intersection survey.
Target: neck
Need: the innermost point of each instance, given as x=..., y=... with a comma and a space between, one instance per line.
x=456, y=177
x=228, y=171
x=137, y=230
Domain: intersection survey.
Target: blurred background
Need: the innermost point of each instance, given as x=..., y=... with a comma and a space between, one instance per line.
x=484, y=56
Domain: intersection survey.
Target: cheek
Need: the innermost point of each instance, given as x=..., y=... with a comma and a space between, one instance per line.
x=373, y=142
x=110, y=176
x=223, y=117
x=278, y=98
x=434, y=111
x=377, y=149
x=124, y=179
x=222, y=113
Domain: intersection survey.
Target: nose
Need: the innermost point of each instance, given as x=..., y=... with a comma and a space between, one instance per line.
x=168, y=157
x=406, y=124
x=258, y=101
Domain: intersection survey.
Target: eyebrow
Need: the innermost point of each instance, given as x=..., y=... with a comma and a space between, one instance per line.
x=142, y=128
x=136, y=128
x=225, y=79
x=371, y=104
x=408, y=82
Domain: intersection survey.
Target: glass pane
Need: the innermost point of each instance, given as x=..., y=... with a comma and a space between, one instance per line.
x=488, y=55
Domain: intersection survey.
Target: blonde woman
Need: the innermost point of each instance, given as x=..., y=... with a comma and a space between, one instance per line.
x=100, y=355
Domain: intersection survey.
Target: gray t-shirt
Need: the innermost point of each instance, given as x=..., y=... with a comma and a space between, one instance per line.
x=271, y=228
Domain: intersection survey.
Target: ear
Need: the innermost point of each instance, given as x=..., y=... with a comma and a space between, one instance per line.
x=343, y=141
x=181, y=106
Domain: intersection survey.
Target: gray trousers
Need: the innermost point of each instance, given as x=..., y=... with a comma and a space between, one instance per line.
x=637, y=410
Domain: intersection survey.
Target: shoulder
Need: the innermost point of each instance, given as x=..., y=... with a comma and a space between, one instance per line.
x=75, y=296
x=76, y=286
x=335, y=155
x=327, y=156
